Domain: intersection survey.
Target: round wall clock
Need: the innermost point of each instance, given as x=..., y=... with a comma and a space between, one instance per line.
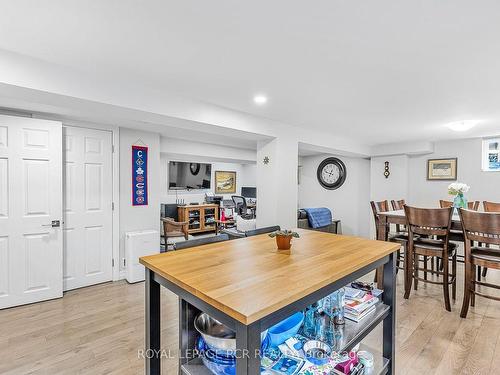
x=331, y=173
x=195, y=168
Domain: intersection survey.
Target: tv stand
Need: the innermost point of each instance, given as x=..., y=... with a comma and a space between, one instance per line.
x=201, y=217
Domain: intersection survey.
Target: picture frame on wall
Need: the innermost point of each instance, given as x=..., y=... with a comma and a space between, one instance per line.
x=225, y=182
x=442, y=169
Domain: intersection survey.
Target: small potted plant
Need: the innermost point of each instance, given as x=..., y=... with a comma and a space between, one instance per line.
x=284, y=238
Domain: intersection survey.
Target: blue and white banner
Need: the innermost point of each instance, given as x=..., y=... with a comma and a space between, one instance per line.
x=139, y=176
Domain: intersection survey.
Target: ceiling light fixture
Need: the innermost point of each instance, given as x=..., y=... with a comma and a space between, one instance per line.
x=260, y=99
x=462, y=126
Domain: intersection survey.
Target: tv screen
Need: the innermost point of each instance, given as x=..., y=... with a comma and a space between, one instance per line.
x=249, y=192
x=188, y=176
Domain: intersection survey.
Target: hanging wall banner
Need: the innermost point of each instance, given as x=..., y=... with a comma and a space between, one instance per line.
x=139, y=176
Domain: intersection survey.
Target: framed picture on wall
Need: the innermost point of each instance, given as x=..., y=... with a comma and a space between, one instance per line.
x=225, y=182
x=442, y=169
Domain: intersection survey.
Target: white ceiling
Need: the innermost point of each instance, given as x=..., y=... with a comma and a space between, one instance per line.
x=383, y=71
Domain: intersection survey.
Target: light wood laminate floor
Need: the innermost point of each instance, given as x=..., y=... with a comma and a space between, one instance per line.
x=99, y=330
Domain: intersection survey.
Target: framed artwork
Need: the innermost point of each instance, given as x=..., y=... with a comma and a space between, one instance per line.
x=225, y=182
x=442, y=169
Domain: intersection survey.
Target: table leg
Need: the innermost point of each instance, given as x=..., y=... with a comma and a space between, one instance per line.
x=183, y=332
x=152, y=323
x=389, y=327
x=248, y=349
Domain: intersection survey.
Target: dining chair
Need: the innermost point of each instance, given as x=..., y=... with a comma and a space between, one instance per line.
x=255, y=232
x=472, y=205
x=457, y=235
x=427, y=223
x=200, y=241
x=491, y=206
x=396, y=206
x=483, y=228
x=488, y=207
x=399, y=237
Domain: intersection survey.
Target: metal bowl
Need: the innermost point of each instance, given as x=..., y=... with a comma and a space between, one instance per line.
x=317, y=352
x=216, y=335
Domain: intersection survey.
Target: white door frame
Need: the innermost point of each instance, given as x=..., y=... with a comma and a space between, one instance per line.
x=115, y=130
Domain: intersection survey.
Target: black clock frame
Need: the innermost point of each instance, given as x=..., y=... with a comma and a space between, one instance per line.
x=196, y=169
x=343, y=173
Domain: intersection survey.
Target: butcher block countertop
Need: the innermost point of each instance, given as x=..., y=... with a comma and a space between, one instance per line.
x=249, y=278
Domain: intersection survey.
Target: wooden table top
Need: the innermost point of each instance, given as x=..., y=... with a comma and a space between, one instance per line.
x=249, y=279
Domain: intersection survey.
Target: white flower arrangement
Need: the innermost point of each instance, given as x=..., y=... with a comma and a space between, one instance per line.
x=457, y=188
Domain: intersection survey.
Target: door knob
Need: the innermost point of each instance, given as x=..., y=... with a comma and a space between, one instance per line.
x=53, y=224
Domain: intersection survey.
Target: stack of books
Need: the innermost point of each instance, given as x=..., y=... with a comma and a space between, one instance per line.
x=359, y=304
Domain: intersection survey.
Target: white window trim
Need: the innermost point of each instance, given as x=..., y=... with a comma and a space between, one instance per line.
x=485, y=152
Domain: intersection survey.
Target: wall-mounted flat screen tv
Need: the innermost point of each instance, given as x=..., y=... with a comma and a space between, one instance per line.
x=189, y=176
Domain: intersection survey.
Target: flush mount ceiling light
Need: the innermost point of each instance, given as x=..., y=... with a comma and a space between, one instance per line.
x=260, y=99
x=462, y=126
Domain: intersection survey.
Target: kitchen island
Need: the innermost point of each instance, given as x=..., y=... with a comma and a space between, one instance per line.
x=248, y=285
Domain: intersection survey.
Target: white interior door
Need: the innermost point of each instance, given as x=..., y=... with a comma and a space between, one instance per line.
x=88, y=216
x=30, y=210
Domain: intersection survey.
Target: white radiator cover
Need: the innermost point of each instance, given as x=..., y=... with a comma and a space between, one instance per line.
x=138, y=244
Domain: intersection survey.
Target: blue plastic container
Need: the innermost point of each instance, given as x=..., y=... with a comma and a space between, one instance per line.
x=285, y=329
x=218, y=364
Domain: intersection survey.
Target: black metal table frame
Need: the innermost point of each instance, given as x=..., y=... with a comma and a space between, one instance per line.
x=248, y=336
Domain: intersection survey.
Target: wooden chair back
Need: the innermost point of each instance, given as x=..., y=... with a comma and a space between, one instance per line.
x=483, y=227
x=472, y=205
x=429, y=221
x=445, y=204
x=382, y=206
x=491, y=206
x=398, y=205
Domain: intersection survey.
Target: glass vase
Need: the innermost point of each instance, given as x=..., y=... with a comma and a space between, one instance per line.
x=459, y=202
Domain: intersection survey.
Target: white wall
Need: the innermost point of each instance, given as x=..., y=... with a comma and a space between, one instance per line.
x=133, y=218
x=394, y=187
x=245, y=176
x=415, y=187
x=277, y=182
x=349, y=203
x=484, y=185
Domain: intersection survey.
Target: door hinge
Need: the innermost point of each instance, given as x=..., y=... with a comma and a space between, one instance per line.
x=112, y=206
x=112, y=263
x=113, y=149
x=124, y=262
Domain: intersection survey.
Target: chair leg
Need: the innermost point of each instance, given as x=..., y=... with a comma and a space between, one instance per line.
x=467, y=286
x=408, y=273
x=478, y=273
x=446, y=288
x=454, y=272
x=473, y=286
x=415, y=271
x=484, y=271
x=398, y=257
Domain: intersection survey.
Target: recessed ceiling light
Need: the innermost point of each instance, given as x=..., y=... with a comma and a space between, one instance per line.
x=462, y=126
x=260, y=99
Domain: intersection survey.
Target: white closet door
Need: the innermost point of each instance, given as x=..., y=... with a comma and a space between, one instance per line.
x=30, y=210
x=88, y=189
